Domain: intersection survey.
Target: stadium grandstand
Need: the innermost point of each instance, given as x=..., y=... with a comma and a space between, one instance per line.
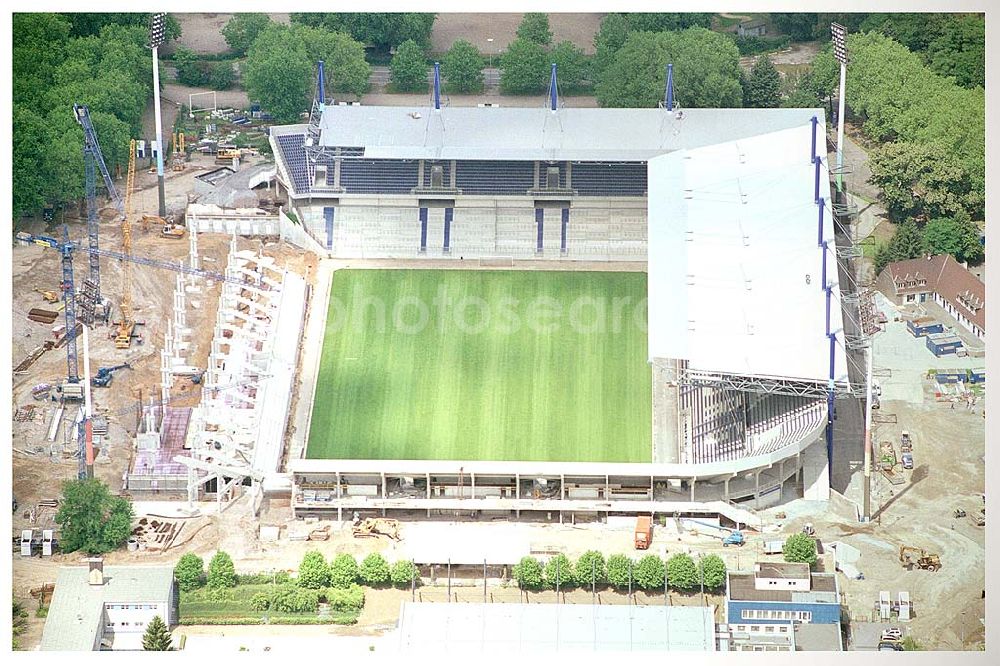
x=727, y=210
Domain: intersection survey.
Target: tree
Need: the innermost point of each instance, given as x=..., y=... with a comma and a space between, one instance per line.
x=408, y=69
x=572, y=65
x=189, y=69
x=222, y=76
x=383, y=30
x=91, y=519
x=610, y=37
x=649, y=572
x=462, y=68
x=528, y=573
x=403, y=573
x=712, y=572
x=797, y=25
x=682, y=572
x=906, y=243
x=957, y=236
x=278, y=73
x=560, y=569
x=19, y=622
x=959, y=50
x=799, y=547
x=313, y=571
x=706, y=70
x=921, y=180
x=523, y=68
x=190, y=572
x=590, y=569
x=763, y=86
x=375, y=570
x=343, y=571
x=535, y=28
x=619, y=571
x=343, y=57
x=92, y=23
x=157, y=636
x=221, y=572
x=242, y=29
x=29, y=132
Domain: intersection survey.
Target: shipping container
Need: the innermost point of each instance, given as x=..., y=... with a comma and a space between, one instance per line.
x=942, y=344
x=922, y=326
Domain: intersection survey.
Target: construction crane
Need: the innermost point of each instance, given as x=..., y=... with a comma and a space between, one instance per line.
x=66, y=247
x=92, y=156
x=123, y=339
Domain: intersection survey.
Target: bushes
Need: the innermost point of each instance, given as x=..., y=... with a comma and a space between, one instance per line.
x=343, y=571
x=374, y=570
x=799, y=548
x=221, y=572
x=559, y=567
x=350, y=599
x=528, y=574
x=403, y=573
x=277, y=578
x=286, y=599
x=649, y=573
x=313, y=571
x=190, y=572
x=619, y=570
x=590, y=569
x=260, y=602
x=682, y=572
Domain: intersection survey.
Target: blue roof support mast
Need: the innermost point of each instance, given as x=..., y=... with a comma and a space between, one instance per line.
x=321, y=88
x=669, y=93
x=437, y=86
x=553, y=90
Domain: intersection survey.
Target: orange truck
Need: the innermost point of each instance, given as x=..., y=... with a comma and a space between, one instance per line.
x=643, y=532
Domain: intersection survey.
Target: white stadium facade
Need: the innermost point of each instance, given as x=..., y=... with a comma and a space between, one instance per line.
x=726, y=210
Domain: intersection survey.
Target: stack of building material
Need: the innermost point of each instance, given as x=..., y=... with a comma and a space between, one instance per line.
x=42, y=316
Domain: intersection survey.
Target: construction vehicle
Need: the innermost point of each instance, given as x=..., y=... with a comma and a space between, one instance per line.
x=643, y=532
x=960, y=513
x=980, y=518
x=910, y=557
x=733, y=537
x=808, y=529
x=907, y=459
x=905, y=443
x=173, y=230
x=226, y=154
x=104, y=375
x=48, y=296
x=374, y=527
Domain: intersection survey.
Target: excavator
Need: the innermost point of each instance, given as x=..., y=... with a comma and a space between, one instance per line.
x=910, y=556
x=374, y=527
x=48, y=296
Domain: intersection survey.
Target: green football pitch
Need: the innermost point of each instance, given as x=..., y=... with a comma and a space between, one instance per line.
x=484, y=365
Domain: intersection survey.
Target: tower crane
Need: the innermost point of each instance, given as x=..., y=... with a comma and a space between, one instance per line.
x=92, y=156
x=123, y=339
x=66, y=247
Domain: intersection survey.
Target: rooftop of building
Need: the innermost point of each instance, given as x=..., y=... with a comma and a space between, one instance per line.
x=735, y=283
x=76, y=611
x=823, y=589
x=505, y=628
x=511, y=133
x=946, y=276
x=818, y=637
x=791, y=570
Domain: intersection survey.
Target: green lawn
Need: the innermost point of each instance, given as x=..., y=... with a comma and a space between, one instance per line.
x=484, y=365
x=201, y=606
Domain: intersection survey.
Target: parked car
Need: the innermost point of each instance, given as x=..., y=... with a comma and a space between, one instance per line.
x=892, y=634
x=907, y=461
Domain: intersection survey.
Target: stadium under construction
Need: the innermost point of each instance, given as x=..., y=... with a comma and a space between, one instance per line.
x=728, y=211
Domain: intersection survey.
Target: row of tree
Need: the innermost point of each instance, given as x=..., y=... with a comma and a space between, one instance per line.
x=98, y=60
x=314, y=573
x=680, y=572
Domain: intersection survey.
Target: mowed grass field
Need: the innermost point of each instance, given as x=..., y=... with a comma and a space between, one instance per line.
x=484, y=365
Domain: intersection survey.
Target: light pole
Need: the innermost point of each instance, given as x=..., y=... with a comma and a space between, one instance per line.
x=839, y=34
x=489, y=40
x=157, y=34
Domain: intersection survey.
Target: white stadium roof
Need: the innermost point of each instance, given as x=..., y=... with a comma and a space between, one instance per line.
x=734, y=269
x=473, y=133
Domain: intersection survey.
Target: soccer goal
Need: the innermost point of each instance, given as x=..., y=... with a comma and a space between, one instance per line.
x=191, y=107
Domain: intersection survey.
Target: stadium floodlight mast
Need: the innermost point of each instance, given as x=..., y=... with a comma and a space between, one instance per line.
x=157, y=35
x=839, y=34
